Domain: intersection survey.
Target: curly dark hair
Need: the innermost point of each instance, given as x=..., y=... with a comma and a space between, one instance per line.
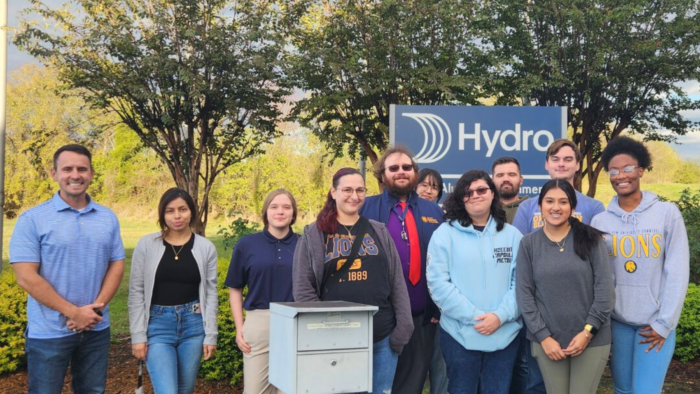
x=454, y=203
x=628, y=146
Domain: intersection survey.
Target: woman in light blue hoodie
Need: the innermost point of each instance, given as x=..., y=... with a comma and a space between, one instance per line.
x=471, y=278
x=648, y=247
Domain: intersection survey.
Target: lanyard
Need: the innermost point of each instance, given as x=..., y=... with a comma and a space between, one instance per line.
x=402, y=219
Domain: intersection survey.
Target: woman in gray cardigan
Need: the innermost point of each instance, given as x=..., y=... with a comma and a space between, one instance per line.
x=375, y=276
x=173, y=298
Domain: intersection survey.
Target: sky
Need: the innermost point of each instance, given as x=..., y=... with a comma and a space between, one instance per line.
x=689, y=147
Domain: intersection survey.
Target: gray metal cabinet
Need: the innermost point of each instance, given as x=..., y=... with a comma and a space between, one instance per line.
x=321, y=347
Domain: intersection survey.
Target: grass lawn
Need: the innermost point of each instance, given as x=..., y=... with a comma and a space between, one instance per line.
x=670, y=191
x=132, y=229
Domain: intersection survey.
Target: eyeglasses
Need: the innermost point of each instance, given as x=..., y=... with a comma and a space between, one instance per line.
x=480, y=191
x=395, y=167
x=428, y=186
x=347, y=191
x=626, y=170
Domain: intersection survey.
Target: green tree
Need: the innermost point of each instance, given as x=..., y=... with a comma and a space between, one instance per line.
x=615, y=64
x=39, y=121
x=197, y=81
x=355, y=58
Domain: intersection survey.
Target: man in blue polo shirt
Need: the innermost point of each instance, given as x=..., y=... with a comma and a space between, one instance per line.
x=68, y=255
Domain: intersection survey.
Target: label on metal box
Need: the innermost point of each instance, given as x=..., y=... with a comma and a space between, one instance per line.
x=321, y=326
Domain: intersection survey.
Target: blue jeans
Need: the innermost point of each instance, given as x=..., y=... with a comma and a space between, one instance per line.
x=175, y=347
x=633, y=369
x=471, y=371
x=438, y=369
x=86, y=352
x=518, y=382
x=535, y=381
x=383, y=367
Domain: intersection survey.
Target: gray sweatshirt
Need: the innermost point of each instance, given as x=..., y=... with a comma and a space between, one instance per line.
x=144, y=264
x=308, y=274
x=650, y=262
x=559, y=293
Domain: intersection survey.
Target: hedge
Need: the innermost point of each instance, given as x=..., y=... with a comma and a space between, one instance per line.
x=228, y=359
x=13, y=320
x=688, y=330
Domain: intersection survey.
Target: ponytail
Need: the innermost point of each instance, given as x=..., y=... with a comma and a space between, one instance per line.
x=327, y=219
x=586, y=238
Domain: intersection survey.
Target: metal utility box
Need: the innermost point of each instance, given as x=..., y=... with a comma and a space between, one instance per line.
x=321, y=347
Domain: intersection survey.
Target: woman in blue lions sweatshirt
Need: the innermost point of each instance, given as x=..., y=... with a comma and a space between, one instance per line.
x=471, y=278
x=648, y=247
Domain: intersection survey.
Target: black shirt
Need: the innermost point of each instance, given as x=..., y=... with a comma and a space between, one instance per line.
x=367, y=281
x=177, y=280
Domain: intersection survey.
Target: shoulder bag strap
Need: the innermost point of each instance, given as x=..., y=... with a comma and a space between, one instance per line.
x=328, y=284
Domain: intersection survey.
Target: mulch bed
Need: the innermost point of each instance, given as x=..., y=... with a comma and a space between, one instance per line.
x=121, y=376
x=123, y=372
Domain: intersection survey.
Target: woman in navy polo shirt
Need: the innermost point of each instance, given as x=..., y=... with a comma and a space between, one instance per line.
x=263, y=262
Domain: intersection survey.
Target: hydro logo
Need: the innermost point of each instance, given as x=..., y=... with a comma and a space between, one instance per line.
x=435, y=130
x=438, y=138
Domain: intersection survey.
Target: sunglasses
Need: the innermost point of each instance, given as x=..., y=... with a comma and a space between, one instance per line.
x=480, y=191
x=395, y=167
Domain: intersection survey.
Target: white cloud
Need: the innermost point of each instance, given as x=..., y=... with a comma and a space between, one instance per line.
x=692, y=88
x=692, y=115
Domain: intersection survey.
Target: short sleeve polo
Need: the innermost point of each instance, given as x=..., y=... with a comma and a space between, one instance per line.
x=74, y=249
x=264, y=264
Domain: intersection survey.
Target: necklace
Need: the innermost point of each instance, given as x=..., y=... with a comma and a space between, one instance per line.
x=349, y=230
x=178, y=251
x=561, y=245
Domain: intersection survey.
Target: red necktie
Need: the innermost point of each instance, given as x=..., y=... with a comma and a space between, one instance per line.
x=414, y=265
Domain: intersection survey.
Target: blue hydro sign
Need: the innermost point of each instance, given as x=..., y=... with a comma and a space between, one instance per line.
x=455, y=139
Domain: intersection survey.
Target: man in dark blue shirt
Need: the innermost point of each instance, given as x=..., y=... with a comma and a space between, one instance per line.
x=411, y=221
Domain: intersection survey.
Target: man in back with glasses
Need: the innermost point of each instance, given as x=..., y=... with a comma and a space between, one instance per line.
x=411, y=221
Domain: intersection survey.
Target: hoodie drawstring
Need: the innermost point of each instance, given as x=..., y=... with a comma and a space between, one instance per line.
x=630, y=217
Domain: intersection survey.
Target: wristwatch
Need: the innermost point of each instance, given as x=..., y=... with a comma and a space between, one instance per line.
x=591, y=329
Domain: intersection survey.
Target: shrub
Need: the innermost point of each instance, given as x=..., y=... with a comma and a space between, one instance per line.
x=238, y=229
x=13, y=321
x=689, y=205
x=688, y=330
x=228, y=360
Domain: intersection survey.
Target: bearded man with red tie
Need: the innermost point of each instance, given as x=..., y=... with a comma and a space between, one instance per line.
x=411, y=221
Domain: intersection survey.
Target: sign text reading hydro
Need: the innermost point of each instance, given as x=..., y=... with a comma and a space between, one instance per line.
x=510, y=140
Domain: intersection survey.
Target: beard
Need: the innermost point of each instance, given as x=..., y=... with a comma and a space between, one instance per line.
x=401, y=190
x=508, y=193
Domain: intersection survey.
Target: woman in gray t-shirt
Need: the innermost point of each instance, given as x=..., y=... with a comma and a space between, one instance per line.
x=565, y=293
